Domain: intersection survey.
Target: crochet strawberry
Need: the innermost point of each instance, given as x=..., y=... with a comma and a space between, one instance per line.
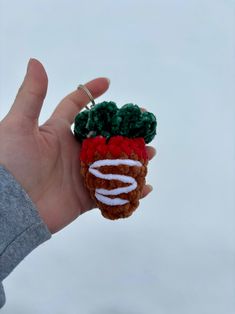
x=113, y=155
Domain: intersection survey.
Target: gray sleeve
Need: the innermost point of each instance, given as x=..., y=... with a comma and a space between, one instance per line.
x=21, y=228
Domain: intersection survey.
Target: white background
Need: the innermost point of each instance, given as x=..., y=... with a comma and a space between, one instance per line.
x=176, y=254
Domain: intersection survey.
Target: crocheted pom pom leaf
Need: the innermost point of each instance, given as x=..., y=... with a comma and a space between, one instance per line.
x=80, y=125
x=147, y=126
x=100, y=118
x=130, y=121
x=107, y=120
x=126, y=119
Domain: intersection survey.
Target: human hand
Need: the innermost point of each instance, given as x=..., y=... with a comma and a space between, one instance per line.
x=45, y=159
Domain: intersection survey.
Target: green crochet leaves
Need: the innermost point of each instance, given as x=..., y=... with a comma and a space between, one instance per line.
x=107, y=120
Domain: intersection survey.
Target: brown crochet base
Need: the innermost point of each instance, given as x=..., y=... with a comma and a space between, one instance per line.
x=92, y=183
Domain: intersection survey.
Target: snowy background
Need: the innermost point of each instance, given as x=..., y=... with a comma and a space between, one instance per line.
x=176, y=254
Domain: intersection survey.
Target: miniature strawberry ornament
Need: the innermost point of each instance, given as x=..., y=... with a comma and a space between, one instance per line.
x=113, y=155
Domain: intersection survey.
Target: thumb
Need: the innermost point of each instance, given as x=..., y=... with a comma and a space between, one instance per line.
x=29, y=100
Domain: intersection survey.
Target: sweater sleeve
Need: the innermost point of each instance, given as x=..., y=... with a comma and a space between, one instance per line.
x=21, y=227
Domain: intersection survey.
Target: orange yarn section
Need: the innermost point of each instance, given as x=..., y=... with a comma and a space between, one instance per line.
x=90, y=153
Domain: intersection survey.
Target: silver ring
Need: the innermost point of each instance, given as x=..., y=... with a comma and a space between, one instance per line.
x=86, y=90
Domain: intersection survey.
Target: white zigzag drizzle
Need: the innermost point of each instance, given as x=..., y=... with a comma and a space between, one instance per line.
x=100, y=193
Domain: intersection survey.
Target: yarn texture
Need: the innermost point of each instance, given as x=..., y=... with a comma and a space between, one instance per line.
x=107, y=120
x=113, y=155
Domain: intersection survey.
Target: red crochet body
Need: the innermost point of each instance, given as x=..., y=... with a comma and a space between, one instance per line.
x=116, y=146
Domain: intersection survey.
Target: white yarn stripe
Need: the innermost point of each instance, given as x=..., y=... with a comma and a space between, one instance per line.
x=116, y=162
x=110, y=176
x=110, y=201
x=117, y=191
x=100, y=193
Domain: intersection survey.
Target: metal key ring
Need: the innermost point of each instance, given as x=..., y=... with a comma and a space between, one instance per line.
x=86, y=90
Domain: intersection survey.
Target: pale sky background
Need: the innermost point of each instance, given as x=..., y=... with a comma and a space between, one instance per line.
x=176, y=254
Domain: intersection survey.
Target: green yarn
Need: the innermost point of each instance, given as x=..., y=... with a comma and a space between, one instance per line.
x=107, y=120
x=101, y=117
x=80, y=122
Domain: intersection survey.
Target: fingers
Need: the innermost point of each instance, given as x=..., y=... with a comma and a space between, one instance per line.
x=70, y=106
x=29, y=100
x=146, y=190
x=151, y=152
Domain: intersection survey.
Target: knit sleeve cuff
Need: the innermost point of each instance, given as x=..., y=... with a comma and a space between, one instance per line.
x=21, y=227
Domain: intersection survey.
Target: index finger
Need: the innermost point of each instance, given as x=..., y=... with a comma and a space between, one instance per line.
x=70, y=106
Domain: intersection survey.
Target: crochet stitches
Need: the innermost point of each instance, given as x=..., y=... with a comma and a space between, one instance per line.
x=113, y=156
x=100, y=193
x=107, y=120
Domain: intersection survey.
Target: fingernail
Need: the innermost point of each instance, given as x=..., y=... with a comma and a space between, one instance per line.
x=29, y=63
x=150, y=187
x=108, y=80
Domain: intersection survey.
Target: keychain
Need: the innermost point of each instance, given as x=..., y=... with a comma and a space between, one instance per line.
x=113, y=155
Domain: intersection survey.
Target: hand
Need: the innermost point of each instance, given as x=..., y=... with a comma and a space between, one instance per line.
x=45, y=159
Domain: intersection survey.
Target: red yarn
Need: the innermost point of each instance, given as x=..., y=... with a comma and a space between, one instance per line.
x=115, y=146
